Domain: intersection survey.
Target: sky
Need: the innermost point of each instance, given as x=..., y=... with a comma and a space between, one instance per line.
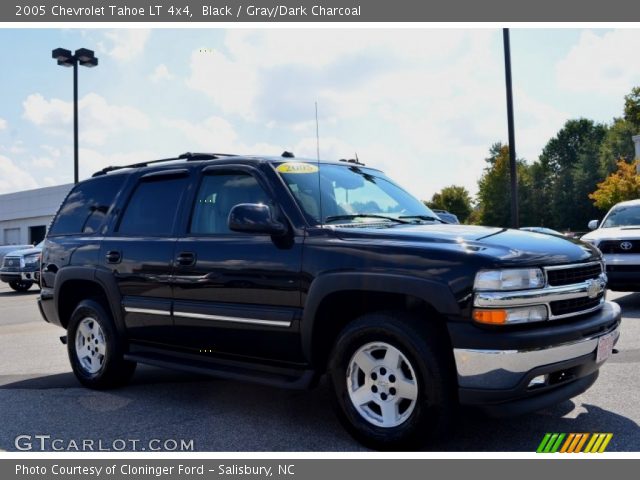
x=424, y=105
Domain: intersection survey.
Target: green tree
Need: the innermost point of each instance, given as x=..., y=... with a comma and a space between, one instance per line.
x=570, y=161
x=621, y=185
x=632, y=109
x=454, y=199
x=494, y=190
x=616, y=145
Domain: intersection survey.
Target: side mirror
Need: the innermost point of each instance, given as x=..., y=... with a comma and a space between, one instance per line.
x=593, y=224
x=254, y=218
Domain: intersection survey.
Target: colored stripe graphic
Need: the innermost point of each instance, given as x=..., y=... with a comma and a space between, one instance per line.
x=567, y=443
x=584, y=438
x=574, y=442
x=543, y=443
x=599, y=443
x=551, y=443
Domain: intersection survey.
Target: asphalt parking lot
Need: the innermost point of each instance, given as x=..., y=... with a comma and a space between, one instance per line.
x=40, y=396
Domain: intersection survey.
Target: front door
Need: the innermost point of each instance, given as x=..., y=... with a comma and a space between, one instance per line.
x=235, y=294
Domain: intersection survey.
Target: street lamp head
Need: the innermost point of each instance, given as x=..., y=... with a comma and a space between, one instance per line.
x=65, y=63
x=63, y=56
x=84, y=54
x=90, y=63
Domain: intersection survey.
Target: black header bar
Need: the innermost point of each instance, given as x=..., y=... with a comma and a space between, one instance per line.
x=192, y=11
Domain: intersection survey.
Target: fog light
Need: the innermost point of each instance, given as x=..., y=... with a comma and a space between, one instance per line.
x=539, y=381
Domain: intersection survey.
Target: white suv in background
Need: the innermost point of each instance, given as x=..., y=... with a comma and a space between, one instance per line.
x=618, y=238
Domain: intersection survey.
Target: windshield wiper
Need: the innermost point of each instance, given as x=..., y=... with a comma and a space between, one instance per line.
x=333, y=218
x=424, y=217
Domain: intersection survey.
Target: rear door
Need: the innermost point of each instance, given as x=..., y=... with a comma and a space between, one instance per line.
x=140, y=253
x=235, y=293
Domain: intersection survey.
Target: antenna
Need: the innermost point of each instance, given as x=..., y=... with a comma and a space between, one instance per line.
x=318, y=162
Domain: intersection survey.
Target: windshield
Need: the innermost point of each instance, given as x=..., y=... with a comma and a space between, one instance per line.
x=350, y=194
x=625, y=216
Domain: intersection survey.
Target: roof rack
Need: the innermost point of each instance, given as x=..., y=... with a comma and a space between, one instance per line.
x=188, y=156
x=355, y=161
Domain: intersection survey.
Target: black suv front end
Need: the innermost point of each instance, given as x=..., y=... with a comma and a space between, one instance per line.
x=512, y=369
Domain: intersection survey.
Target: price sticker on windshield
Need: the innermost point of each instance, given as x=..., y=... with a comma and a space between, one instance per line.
x=297, y=167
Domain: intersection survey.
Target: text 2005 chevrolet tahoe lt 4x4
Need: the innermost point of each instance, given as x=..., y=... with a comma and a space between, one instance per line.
x=277, y=270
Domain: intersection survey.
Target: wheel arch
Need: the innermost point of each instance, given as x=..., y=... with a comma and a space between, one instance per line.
x=74, y=284
x=335, y=299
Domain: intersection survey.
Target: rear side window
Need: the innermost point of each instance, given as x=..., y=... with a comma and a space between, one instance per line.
x=153, y=206
x=85, y=208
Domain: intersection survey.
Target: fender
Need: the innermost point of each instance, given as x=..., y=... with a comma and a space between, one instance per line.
x=438, y=295
x=104, y=279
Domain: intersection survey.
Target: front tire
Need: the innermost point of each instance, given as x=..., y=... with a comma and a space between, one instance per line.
x=95, y=349
x=393, y=380
x=20, y=286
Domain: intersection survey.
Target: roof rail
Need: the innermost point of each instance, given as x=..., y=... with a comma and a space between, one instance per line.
x=188, y=156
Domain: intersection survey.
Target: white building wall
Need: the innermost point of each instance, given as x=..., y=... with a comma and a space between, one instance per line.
x=29, y=208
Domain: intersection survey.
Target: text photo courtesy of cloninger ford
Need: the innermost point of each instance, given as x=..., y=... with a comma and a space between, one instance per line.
x=336, y=239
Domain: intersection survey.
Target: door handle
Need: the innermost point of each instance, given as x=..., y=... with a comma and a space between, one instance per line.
x=186, y=259
x=113, y=256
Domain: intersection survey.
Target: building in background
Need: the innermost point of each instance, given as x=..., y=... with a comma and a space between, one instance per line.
x=25, y=216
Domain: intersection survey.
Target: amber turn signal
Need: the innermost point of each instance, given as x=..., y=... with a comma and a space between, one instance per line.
x=490, y=317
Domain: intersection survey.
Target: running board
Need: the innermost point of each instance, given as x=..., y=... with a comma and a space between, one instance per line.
x=294, y=379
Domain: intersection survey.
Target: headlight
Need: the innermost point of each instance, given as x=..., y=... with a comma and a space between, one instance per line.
x=509, y=279
x=32, y=259
x=510, y=316
x=590, y=241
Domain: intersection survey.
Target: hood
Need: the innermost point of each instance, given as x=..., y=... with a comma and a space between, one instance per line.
x=498, y=243
x=25, y=252
x=614, y=233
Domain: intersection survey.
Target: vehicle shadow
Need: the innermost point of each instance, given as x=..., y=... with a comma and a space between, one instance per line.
x=218, y=415
x=145, y=375
x=12, y=293
x=478, y=432
x=222, y=415
x=630, y=304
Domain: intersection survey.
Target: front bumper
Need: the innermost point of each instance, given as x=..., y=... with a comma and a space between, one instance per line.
x=499, y=379
x=23, y=275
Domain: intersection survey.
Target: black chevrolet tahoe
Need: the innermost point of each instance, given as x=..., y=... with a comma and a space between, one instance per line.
x=279, y=270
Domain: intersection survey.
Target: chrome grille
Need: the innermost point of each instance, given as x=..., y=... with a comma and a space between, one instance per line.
x=575, y=306
x=570, y=274
x=620, y=246
x=11, y=262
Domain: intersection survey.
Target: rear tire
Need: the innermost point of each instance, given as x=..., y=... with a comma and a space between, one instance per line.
x=20, y=286
x=96, y=351
x=393, y=380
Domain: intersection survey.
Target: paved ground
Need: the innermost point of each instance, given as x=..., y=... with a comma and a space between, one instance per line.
x=40, y=396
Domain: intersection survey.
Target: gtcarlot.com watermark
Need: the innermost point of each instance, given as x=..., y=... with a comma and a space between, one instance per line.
x=45, y=443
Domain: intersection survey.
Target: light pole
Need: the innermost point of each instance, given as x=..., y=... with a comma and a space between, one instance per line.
x=512, y=136
x=86, y=58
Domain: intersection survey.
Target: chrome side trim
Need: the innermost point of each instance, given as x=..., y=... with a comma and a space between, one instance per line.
x=503, y=369
x=148, y=311
x=222, y=318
